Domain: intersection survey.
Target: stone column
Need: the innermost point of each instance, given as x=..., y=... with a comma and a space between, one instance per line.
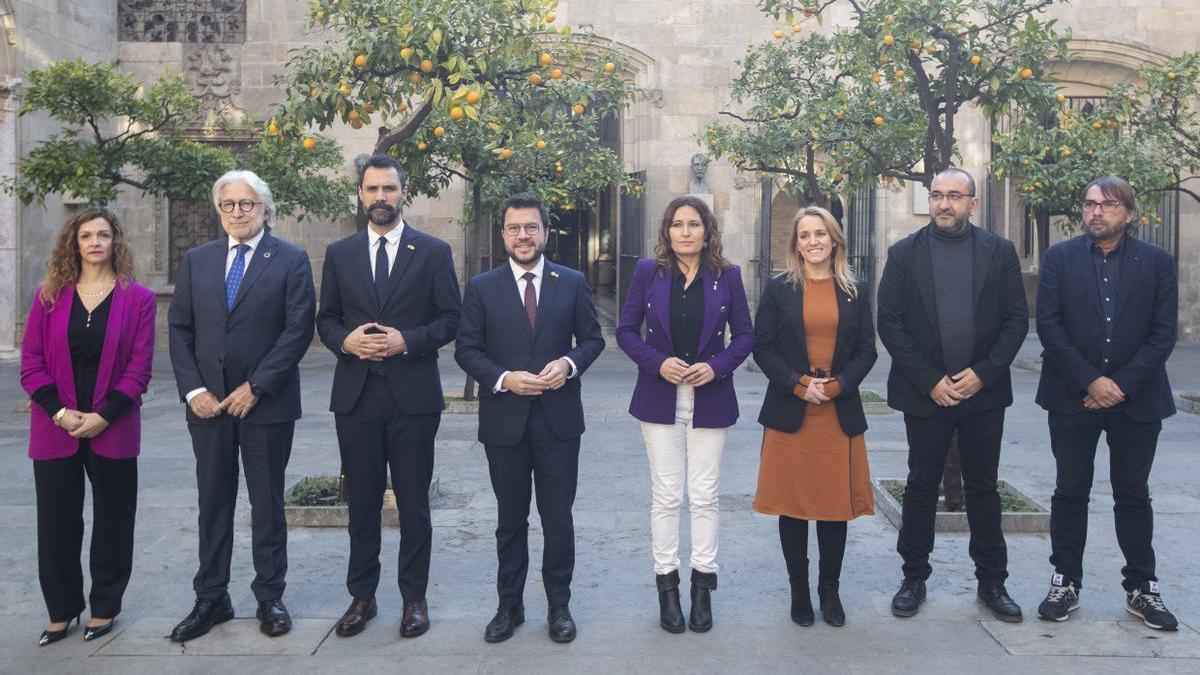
x=10, y=257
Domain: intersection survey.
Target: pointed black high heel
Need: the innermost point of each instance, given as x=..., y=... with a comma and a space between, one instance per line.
x=93, y=632
x=52, y=636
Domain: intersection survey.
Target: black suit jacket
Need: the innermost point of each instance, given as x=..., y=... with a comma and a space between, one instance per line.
x=495, y=336
x=260, y=340
x=780, y=350
x=1071, y=327
x=423, y=304
x=908, y=321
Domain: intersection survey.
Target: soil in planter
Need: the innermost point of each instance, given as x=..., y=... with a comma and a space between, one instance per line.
x=317, y=491
x=1010, y=501
x=869, y=396
x=1194, y=398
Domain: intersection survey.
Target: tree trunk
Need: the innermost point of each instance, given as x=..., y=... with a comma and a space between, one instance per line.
x=471, y=262
x=952, y=486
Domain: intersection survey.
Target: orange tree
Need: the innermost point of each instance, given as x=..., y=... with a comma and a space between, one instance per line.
x=489, y=92
x=1148, y=134
x=879, y=97
x=117, y=132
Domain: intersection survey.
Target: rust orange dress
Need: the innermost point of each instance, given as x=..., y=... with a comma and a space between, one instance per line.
x=816, y=473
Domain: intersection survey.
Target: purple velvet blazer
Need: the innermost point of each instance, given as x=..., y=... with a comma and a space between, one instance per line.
x=725, y=307
x=125, y=365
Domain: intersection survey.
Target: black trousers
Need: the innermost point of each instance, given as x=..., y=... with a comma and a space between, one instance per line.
x=374, y=436
x=1131, y=448
x=831, y=543
x=550, y=465
x=979, y=437
x=59, y=484
x=265, y=450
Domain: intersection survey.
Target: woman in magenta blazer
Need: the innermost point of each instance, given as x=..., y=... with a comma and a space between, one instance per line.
x=687, y=298
x=85, y=362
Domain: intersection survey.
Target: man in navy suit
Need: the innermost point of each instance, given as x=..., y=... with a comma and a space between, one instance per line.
x=528, y=332
x=240, y=321
x=1106, y=314
x=389, y=300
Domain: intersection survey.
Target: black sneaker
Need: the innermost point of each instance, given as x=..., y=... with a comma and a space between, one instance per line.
x=1145, y=603
x=908, y=599
x=1060, y=601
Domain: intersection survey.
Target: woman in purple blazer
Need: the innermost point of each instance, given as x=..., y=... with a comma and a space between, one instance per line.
x=687, y=297
x=85, y=362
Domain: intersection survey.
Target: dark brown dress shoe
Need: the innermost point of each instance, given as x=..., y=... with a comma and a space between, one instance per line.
x=356, y=617
x=415, y=620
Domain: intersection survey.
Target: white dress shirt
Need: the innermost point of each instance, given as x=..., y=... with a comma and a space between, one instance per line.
x=392, y=246
x=518, y=272
x=229, y=256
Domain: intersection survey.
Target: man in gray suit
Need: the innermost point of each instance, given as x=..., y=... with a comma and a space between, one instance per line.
x=240, y=320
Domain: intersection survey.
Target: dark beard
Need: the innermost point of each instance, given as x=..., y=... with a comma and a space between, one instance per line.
x=383, y=214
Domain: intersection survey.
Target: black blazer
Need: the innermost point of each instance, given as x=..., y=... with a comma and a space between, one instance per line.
x=1072, y=328
x=908, y=321
x=260, y=340
x=494, y=336
x=423, y=305
x=781, y=352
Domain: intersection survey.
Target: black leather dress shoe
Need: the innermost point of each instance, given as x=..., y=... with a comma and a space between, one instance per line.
x=273, y=618
x=356, y=617
x=501, y=627
x=562, y=626
x=1003, y=607
x=95, y=632
x=51, y=636
x=205, y=614
x=907, y=601
x=415, y=620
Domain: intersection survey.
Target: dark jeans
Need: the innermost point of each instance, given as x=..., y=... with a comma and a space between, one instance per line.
x=60, y=488
x=265, y=450
x=543, y=462
x=979, y=436
x=831, y=543
x=374, y=437
x=1131, y=447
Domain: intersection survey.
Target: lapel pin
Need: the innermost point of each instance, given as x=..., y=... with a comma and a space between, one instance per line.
x=714, y=285
x=411, y=247
x=266, y=254
x=722, y=309
x=553, y=273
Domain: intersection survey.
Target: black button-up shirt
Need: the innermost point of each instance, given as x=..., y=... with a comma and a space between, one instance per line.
x=687, y=315
x=1108, y=277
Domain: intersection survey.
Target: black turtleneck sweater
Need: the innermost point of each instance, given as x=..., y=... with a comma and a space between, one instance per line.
x=953, y=286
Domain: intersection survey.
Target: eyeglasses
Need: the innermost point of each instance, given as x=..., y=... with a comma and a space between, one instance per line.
x=1106, y=206
x=244, y=205
x=513, y=229
x=954, y=197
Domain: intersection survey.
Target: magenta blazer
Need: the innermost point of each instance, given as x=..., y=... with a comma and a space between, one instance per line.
x=125, y=365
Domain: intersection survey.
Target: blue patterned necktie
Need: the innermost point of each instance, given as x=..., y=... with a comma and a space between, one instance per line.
x=236, y=271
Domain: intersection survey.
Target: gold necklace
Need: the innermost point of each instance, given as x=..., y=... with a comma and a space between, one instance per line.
x=108, y=286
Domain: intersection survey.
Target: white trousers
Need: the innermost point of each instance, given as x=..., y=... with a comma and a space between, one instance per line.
x=675, y=451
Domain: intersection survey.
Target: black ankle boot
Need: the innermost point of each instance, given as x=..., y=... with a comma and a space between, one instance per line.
x=703, y=584
x=831, y=604
x=669, y=612
x=802, y=609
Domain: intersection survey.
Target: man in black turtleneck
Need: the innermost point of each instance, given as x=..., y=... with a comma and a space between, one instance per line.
x=952, y=314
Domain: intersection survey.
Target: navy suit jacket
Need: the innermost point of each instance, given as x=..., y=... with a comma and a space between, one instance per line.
x=908, y=321
x=260, y=340
x=649, y=301
x=494, y=336
x=1071, y=328
x=423, y=304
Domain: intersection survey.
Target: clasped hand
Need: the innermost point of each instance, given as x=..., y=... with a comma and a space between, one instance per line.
x=954, y=389
x=814, y=392
x=677, y=371
x=377, y=345
x=81, y=424
x=525, y=383
x=1103, y=392
x=238, y=403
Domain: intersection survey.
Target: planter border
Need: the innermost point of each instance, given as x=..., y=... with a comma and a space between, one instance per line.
x=1011, y=522
x=339, y=515
x=1188, y=402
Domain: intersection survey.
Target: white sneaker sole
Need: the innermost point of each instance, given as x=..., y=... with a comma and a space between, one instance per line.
x=1062, y=618
x=1145, y=621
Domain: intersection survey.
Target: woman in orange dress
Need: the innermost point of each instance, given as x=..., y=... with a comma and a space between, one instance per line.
x=815, y=341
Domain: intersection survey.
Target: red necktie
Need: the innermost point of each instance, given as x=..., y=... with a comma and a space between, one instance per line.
x=530, y=299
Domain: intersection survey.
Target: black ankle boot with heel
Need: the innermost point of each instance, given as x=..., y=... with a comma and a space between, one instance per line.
x=703, y=584
x=669, y=612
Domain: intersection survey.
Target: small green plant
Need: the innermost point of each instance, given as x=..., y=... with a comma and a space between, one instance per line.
x=1010, y=500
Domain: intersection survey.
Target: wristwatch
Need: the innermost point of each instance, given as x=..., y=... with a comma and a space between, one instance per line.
x=62, y=412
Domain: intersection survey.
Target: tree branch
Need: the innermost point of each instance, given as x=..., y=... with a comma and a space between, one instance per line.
x=389, y=139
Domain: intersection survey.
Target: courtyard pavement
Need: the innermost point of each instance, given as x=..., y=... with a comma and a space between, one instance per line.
x=614, y=598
